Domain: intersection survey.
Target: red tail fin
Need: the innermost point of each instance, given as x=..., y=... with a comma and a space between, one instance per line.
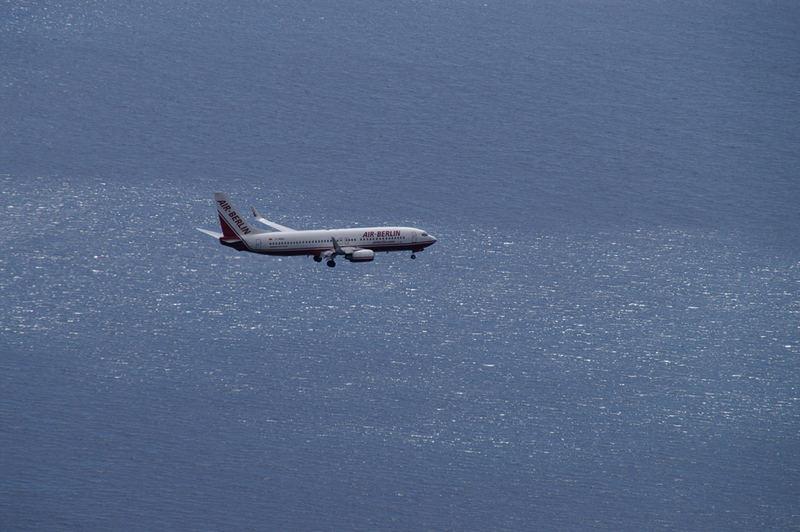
x=227, y=232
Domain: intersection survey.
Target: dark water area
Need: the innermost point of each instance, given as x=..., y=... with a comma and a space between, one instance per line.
x=604, y=336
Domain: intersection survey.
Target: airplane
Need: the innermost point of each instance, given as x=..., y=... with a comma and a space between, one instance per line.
x=357, y=244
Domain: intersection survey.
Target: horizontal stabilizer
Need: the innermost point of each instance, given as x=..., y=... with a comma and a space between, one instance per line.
x=209, y=233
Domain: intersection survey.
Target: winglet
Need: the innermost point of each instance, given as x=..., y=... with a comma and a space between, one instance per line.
x=277, y=227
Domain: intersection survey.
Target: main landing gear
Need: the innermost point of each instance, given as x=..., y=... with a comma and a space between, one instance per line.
x=330, y=262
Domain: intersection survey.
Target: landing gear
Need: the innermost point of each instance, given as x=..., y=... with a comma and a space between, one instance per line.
x=317, y=258
x=413, y=256
x=331, y=263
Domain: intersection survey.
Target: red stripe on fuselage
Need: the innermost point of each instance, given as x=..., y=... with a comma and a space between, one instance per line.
x=288, y=251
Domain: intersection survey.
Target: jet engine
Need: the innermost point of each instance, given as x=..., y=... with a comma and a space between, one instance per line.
x=361, y=255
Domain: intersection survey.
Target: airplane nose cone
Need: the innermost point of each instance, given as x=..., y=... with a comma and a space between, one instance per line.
x=426, y=239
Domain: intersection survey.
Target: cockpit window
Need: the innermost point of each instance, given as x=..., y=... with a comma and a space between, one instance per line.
x=424, y=234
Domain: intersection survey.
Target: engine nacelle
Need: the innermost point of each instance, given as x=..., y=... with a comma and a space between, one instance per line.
x=361, y=255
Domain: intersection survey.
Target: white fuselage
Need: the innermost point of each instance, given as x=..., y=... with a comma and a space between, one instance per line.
x=316, y=242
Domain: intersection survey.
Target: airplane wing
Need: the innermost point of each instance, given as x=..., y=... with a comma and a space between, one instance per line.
x=277, y=227
x=209, y=233
x=353, y=254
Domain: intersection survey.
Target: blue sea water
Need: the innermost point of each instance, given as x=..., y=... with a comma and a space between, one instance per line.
x=605, y=335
